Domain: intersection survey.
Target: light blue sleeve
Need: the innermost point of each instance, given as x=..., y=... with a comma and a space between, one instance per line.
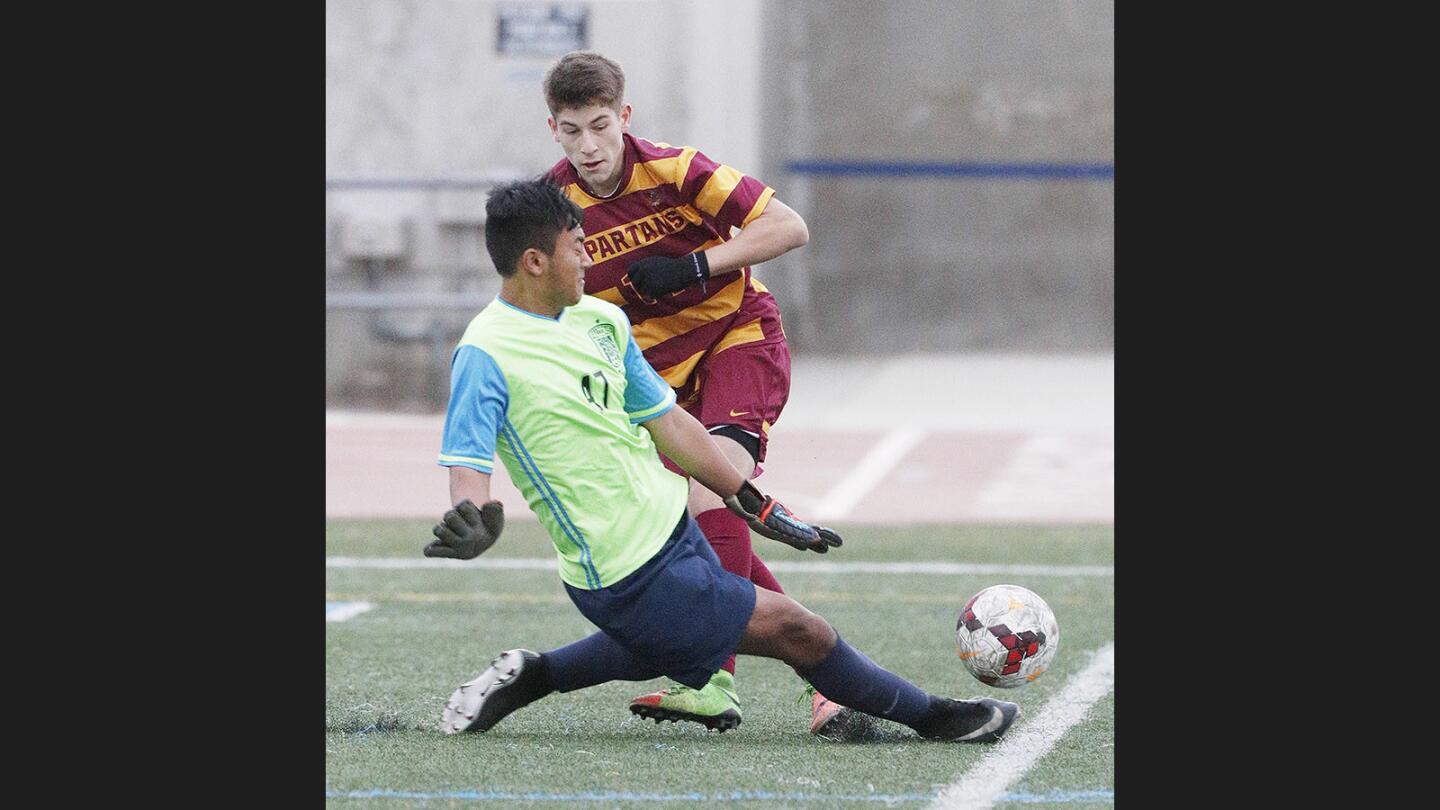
x=478, y=399
x=647, y=395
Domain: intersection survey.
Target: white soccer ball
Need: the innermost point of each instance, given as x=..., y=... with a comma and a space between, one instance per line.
x=1006, y=636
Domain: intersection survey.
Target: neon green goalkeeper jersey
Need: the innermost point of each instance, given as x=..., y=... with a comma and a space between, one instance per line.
x=561, y=400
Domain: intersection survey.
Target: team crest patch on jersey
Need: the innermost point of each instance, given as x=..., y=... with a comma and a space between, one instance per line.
x=604, y=336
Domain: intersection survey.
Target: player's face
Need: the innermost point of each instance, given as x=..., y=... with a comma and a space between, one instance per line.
x=566, y=275
x=591, y=138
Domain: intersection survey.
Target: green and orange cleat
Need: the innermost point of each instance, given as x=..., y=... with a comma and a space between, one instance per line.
x=715, y=705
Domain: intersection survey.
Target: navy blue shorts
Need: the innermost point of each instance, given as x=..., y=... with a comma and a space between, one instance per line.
x=680, y=612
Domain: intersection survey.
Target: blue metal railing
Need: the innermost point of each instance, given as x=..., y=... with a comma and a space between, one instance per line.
x=814, y=167
x=925, y=168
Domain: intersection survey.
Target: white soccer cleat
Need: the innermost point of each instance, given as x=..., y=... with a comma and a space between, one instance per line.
x=511, y=682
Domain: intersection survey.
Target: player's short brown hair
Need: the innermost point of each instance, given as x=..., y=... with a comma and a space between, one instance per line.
x=582, y=78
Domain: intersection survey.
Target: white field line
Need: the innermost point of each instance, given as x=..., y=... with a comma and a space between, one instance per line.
x=988, y=779
x=550, y=564
x=876, y=464
x=347, y=610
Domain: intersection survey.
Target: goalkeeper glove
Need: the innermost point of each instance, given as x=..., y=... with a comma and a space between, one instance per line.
x=770, y=518
x=465, y=532
x=655, y=276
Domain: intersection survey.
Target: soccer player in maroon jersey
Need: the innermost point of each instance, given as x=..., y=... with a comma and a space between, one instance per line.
x=658, y=223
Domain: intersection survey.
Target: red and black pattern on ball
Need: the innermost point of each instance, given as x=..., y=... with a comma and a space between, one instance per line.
x=967, y=616
x=1020, y=645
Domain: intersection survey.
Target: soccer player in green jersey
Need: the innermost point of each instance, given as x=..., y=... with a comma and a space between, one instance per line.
x=552, y=381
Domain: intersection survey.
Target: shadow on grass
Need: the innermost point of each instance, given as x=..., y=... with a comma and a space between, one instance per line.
x=369, y=719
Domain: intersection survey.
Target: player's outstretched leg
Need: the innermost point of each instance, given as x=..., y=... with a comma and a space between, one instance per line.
x=782, y=628
x=515, y=679
x=850, y=676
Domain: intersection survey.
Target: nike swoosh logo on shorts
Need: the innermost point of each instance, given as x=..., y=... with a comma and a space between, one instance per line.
x=738, y=413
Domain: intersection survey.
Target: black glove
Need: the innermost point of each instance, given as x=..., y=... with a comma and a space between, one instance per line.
x=770, y=518
x=465, y=532
x=655, y=276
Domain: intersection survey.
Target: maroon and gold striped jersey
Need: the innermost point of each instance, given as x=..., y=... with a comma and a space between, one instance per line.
x=672, y=201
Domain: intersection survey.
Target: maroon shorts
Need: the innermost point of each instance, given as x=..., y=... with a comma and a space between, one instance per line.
x=745, y=383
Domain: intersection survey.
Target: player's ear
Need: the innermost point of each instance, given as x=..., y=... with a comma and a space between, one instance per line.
x=534, y=262
x=625, y=118
x=554, y=130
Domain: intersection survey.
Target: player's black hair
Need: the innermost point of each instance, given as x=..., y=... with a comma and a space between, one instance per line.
x=523, y=215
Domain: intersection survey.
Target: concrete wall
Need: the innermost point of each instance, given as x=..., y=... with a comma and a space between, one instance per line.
x=944, y=263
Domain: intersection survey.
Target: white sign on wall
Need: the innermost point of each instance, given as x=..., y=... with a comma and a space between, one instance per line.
x=540, y=29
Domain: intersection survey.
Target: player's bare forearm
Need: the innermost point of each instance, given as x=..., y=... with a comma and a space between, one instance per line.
x=467, y=483
x=777, y=230
x=681, y=437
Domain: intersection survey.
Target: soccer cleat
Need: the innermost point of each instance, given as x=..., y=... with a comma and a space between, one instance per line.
x=832, y=721
x=512, y=681
x=983, y=720
x=715, y=705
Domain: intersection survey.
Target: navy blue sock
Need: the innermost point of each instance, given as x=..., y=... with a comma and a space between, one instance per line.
x=593, y=660
x=849, y=678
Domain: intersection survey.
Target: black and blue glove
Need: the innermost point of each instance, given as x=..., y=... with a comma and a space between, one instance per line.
x=770, y=518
